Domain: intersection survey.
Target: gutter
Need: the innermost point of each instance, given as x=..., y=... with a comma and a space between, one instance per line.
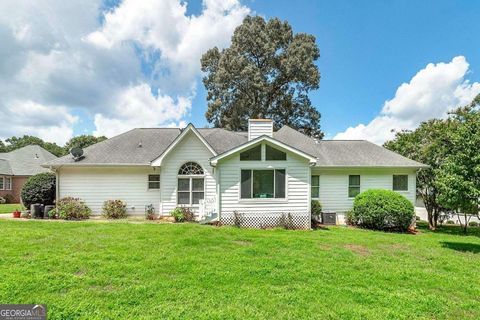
x=96, y=165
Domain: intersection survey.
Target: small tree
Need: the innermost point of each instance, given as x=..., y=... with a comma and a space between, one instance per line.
x=429, y=144
x=459, y=176
x=39, y=188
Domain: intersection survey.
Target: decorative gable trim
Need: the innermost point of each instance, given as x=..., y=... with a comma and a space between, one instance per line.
x=190, y=127
x=312, y=159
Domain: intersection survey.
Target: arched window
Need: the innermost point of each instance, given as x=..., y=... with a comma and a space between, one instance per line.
x=191, y=184
x=190, y=168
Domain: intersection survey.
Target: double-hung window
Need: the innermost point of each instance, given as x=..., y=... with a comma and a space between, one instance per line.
x=315, y=181
x=191, y=184
x=353, y=185
x=8, y=183
x=2, y=184
x=153, y=181
x=400, y=182
x=259, y=184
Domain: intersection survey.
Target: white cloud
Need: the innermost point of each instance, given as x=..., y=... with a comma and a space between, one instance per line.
x=51, y=123
x=163, y=27
x=137, y=107
x=431, y=93
x=58, y=55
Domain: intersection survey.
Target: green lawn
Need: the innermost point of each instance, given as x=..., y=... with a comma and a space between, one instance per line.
x=144, y=270
x=10, y=207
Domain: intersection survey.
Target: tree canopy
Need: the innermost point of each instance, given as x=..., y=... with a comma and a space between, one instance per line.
x=82, y=141
x=459, y=175
x=14, y=143
x=428, y=144
x=267, y=72
x=450, y=147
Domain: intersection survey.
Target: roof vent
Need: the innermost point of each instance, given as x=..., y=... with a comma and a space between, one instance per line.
x=36, y=156
x=140, y=144
x=77, y=153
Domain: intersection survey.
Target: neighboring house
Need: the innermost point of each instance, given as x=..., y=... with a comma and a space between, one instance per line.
x=261, y=174
x=18, y=165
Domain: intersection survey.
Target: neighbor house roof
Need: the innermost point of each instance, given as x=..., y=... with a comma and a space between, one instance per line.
x=26, y=161
x=143, y=145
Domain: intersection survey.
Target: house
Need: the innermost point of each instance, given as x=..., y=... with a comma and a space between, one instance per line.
x=18, y=165
x=260, y=174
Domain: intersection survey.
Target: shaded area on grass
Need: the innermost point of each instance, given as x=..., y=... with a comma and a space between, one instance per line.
x=450, y=229
x=462, y=246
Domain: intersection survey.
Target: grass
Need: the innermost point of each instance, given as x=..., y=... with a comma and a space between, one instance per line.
x=95, y=270
x=9, y=207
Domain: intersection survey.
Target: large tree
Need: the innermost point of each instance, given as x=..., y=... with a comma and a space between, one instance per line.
x=267, y=72
x=83, y=141
x=459, y=176
x=429, y=144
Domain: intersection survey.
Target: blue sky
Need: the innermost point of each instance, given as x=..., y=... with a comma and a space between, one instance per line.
x=104, y=67
x=369, y=48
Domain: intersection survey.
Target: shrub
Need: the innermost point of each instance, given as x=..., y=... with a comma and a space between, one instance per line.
x=182, y=214
x=9, y=198
x=380, y=209
x=39, y=188
x=70, y=208
x=450, y=222
x=349, y=218
x=114, y=209
x=316, y=207
x=473, y=224
x=2, y=200
x=150, y=212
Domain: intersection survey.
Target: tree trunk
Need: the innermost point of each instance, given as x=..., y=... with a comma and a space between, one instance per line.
x=431, y=220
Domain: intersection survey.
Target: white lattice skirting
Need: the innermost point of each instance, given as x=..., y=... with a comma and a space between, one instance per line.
x=296, y=220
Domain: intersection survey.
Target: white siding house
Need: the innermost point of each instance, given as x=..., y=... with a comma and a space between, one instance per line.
x=189, y=149
x=295, y=202
x=94, y=185
x=334, y=184
x=261, y=176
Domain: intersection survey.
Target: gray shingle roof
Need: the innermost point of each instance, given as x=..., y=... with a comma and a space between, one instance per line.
x=344, y=153
x=25, y=161
x=124, y=148
x=5, y=167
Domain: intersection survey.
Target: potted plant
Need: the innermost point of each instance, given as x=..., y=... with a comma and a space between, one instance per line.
x=16, y=213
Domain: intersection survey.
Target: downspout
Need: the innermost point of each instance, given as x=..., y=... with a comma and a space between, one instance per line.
x=57, y=185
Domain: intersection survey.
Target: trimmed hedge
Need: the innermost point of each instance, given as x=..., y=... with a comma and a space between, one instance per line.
x=380, y=209
x=39, y=188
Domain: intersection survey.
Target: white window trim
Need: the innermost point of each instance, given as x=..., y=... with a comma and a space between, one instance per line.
x=190, y=191
x=406, y=190
x=148, y=182
x=312, y=186
x=348, y=185
x=262, y=200
x=3, y=183
x=9, y=185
